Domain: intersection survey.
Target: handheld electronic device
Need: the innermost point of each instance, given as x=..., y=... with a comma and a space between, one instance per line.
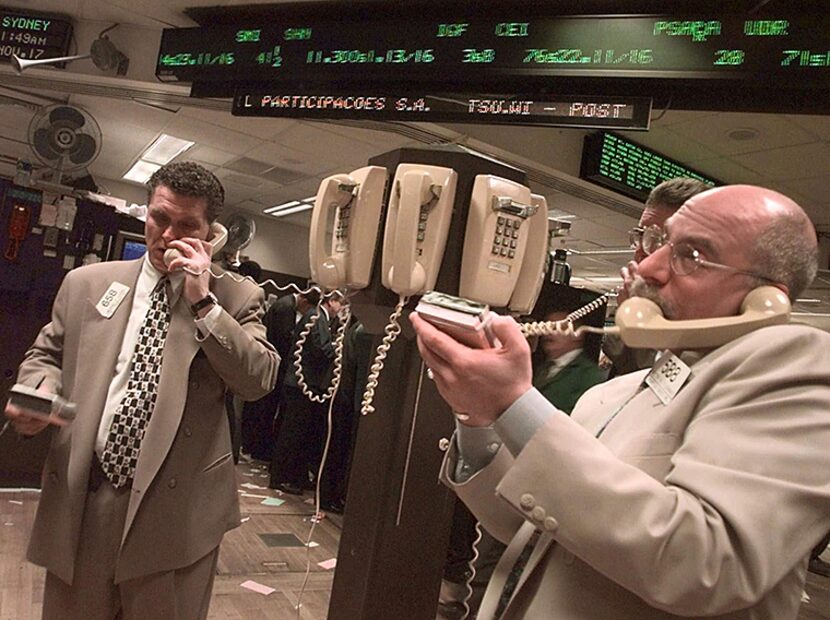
x=639, y=322
x=217, y=237
x=49, y=407
x=466, y=321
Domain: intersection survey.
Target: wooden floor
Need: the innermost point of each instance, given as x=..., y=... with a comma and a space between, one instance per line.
x=246, y=556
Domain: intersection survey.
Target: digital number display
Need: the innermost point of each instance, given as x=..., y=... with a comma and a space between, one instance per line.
x=606, y=112
x=429, y=49
x=628, y=168
x=32, y=36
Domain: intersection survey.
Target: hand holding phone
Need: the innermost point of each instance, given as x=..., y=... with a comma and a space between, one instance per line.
x=32, y=410
x=466, y=321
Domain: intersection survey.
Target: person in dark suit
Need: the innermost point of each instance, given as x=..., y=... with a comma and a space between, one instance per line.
x=258, y=417
x=299, y=440
x=139, y=490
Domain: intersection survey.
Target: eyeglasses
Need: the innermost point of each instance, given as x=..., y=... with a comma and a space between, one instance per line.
x=649, y=238
x=685, y=260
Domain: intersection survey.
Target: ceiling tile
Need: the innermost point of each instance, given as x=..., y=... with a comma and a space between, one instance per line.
x=208, y=155
x=730, y=171
x=263, y=128
x=288, y=157
x=211, y=135
x=819, y=126
x=774, y=131
x=785, y=163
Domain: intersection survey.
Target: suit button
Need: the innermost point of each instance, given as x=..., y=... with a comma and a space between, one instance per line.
x=187, y=431
x=550, y=524
x=527, y=501
x=538, y=513
x=194, y=384
x=171, y=483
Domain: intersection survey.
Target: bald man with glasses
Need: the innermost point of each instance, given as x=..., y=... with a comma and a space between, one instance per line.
x=663, y=201
x=701, y=501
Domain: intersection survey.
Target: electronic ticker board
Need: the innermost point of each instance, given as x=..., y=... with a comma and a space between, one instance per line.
x=572, y=111
x=436, y=47
x=32, y=36
x=628, y=168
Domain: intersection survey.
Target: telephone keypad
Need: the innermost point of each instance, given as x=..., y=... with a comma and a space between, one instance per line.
x=342, y=227
x=506, y=236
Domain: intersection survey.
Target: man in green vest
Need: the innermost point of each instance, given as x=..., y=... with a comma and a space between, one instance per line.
x=566, y=371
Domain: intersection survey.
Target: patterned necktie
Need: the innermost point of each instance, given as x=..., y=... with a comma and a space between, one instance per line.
x=132, y=414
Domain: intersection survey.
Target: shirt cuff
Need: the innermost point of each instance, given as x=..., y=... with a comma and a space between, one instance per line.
x=206, y=325
x=522, y=419
x=477, y=445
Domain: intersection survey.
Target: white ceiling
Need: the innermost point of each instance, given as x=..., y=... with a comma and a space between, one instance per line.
x=263, y=162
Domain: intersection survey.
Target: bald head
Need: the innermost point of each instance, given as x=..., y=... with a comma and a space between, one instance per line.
x=780, y=238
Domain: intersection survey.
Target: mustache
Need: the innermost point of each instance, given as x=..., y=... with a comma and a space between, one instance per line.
x=641, y=288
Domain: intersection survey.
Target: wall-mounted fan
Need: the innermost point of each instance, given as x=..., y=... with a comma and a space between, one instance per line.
x=241, y=231
x=65, y=138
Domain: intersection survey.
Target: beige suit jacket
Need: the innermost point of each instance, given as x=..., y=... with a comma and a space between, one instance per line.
x=183, y=496
x=705, y=507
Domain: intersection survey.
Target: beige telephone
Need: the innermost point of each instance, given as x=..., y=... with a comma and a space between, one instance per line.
x=356, y=200
x=498, y=231
x=640, y=324
x=532, y=273
x=417, y=224
x=217, y=236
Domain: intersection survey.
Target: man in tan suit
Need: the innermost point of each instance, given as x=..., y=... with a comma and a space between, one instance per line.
x=139, y=490
x=702, y=501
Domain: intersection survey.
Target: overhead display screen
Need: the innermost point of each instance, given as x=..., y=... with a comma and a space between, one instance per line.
x=571, y=111
x=431, y=49
x=628, y=168
x=32, y=36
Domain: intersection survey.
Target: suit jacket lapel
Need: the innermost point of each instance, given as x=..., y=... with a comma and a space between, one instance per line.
x=179, y=349
x=100, y=344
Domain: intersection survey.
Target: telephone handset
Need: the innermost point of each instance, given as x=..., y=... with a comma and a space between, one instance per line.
x=499, y=225
x=217, y=236
x=532, y=273
x=417, y=225
x=356, y=200
x=640, y=324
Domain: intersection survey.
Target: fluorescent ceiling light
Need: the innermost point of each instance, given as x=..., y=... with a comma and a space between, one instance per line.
x=292, y=206
x=297, y=209
x=141, y=171
x=165, y=149
x=285, y=205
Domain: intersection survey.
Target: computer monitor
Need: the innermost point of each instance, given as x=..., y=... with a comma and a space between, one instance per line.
x=128, y=246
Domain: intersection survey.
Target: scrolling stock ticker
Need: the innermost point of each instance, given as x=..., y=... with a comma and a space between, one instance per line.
x=484, y=53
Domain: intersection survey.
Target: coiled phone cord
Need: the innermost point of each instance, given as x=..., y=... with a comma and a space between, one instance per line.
x=392, y=330
x=338, y=356
x=566, y=325
x=468, y=582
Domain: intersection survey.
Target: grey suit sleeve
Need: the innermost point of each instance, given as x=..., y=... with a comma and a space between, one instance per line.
x=744, y=496
x=239, y=350
x=42, y=363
